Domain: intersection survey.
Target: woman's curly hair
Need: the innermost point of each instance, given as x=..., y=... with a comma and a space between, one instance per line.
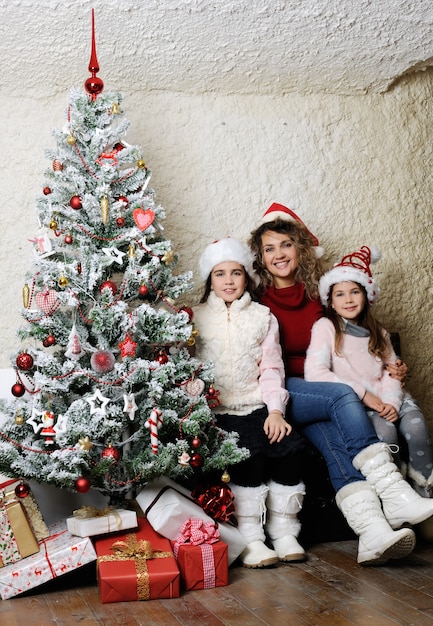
x=310, y=267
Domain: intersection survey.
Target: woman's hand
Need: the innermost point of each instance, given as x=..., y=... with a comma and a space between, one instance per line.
x=276, y=427
x=397, y=370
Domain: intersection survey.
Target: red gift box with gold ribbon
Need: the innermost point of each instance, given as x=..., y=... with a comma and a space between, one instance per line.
x=136, y=566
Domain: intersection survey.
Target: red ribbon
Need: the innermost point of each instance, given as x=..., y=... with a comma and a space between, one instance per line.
x=216, y=501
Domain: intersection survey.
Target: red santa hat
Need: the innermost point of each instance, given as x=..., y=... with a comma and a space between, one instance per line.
x=279, y=211
x=354, y=267
x=227, y=249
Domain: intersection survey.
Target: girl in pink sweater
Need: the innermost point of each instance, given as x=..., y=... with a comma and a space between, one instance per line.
x=350, y=346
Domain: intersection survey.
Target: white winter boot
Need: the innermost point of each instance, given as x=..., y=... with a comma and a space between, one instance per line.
x=284, y=503
x=400, y=503
x=250, y=513
x=423, y=486
x=378, y=542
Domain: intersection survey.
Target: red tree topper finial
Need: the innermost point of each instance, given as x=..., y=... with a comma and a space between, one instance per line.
x=94, y=85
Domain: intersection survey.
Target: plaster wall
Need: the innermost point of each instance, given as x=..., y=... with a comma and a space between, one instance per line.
x=357, y=169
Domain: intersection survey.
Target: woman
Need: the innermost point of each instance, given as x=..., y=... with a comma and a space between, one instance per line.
x=331, y=415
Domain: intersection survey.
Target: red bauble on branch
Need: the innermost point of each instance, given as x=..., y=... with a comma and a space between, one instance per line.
x=109, y=285
x=196, y=460
x=18, y=390
x=143, y=290
x=46, y=191
x=82, y=485
x=102, y=361
x=49, y=341
x=24, y=361
x=111, y=453
x=75, y=203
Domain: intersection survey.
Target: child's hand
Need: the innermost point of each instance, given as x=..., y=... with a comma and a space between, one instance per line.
x=373, y=402
x=397, y=370
x=389, y=413
x=276, y=427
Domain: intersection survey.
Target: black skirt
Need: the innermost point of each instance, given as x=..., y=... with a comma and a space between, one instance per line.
x=253, y=437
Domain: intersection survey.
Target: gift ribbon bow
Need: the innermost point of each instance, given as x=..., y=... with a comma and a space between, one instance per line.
x=86, y=512
x=196, y=532
x=216, y=501
x=140, y=551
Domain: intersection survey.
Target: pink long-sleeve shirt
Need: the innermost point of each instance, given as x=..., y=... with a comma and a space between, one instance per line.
x=355, y=366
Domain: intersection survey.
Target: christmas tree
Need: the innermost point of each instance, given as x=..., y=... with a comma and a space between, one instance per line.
x=107, y=394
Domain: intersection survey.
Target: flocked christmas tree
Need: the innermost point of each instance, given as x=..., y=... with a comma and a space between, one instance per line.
x=107, y=395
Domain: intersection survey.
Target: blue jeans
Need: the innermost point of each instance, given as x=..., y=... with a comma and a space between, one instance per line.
x=333, y=418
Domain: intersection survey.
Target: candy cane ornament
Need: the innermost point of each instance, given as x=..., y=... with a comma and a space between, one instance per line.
x=154, y=421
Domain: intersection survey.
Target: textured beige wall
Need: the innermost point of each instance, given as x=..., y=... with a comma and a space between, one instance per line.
x=357, y=169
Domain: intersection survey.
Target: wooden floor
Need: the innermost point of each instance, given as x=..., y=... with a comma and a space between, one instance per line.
x=329, y=589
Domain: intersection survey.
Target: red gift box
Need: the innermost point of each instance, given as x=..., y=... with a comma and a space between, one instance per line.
x=201, y=557
x=136, y=566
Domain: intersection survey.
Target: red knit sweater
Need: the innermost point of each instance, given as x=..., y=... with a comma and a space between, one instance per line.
x=296, y=314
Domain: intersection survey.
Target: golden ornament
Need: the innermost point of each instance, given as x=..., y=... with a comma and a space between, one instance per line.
x=63, y=281
x=225, y=477
x=131, y=251
x=104, y=209
x=141, y=164
x=168, y=257
x=19, y=418
x=53, y=224
x=26, y=295
x=195, y=332
x=85, y=443
x=115, y=109
x=70, y=139
x=190, y=341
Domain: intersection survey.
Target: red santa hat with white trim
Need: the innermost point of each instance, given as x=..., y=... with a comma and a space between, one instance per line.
x=279, y=211
x=354, y=267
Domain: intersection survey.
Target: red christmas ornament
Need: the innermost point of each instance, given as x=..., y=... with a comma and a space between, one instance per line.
x=18, y=390
x=102, y=361
x=68, y=239
x=211, y=391
x=111, y=453
x=196, y=443
x=79, y=268
x=120, y=221
x=46, y=191
x=57, y=165
x=22, y=490
x=162, y=358
x=24, y=361
x=188, y=310
x=123, y=199
x=82, y=485
x=196, y=460
x=94, y=85
x=109, y=285
x=143, y=291
x=49, y=341
x=75, y=203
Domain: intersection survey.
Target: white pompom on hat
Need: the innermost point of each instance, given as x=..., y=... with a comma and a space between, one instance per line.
x=279, y=211
x=354, y=267
x=223, y=250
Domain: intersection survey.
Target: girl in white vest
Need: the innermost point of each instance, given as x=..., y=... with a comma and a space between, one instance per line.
x=241, y=337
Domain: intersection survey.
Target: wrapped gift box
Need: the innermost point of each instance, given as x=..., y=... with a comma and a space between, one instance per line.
x=17, y=539
x=202, y=558
x=89, y=521
x=30, y=505
x=60, y=553
x=136, y=566
x=168, y=505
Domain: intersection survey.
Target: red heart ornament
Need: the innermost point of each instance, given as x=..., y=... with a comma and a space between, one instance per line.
x=142, y=218
x=47, y=301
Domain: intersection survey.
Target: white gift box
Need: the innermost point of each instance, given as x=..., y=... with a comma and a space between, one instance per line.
x=60, y=553
x=103, y=521
x=168, y=506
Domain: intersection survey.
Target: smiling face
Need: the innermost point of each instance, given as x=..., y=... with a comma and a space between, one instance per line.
x=280, y=258
x=228, y=281
x=348, y=300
